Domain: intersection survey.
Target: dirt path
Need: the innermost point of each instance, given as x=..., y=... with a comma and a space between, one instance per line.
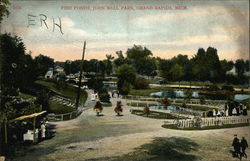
x=130, y=137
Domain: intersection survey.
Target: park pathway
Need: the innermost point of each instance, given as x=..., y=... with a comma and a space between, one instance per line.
x=109, y=137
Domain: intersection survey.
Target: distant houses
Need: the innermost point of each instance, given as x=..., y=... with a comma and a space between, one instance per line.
x=57, y=72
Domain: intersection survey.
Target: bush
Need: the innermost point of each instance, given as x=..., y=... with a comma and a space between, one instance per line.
x=126, y=88
x=141, y=83
x=104, y=95
x=213, y=88
x=227, y=88
x=202, y=100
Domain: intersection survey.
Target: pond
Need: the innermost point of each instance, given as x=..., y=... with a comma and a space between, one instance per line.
x=241, y=97
x=173, y=94
x=176, y=109
x=180, y=94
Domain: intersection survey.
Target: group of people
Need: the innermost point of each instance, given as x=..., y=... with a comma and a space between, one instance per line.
x=118, y=109
x=239, y=147
x=234, y=108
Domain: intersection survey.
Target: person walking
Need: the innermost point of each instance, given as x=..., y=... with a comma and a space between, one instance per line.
x=118, y=109
x=236, y=145
x=98, y=108
x=243, y=145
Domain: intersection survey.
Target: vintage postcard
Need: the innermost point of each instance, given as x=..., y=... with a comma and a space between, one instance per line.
x=124, y=80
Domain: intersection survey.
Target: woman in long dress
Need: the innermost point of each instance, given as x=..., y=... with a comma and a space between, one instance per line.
x=98, y=108
x=118, y=109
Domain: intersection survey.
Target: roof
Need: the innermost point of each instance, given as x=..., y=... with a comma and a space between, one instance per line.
x=27, y=116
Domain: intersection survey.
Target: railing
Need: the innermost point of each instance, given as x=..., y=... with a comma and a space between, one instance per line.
x=64, y=117
x=218, y=121
x=176, y=100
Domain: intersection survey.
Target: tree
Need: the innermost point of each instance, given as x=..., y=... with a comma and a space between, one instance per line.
x=225, y=66
x=109, y=67
x=141, y=83
x=120, y=60
x=4, y=9
x=164, y=68
x=176, y=72
x=199, y=66
x=125, y=73
x=239, y=67
x=140, y=58
x=43, y=63
x=17, y=67
x=213, y=64
x=43, y=100
x=188, y=94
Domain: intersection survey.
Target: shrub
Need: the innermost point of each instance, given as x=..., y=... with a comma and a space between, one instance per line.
x=227, y=88
x=213, y=88
x=202, y=100
x=141, y=83
x=104, y=95
x=126, y=88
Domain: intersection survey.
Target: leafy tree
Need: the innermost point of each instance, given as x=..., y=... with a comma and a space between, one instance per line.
x=202, y=100
x=43, y=100
x=176, y=72
x=43, y=63
x=164, y=68
x=239, y=67
x=141, y=83
x=120, y=60
x=199, y=67
x=4, y=9
x=188, y=94
x=17, y=67
x=109, y=67
x=104, y=95
x=213, y=64
x=125, y=88
x=125, y=73
x=140, y=59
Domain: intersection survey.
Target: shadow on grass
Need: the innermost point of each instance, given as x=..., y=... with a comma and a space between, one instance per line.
x=100, y=115
x=161, y=149
x=119, y=115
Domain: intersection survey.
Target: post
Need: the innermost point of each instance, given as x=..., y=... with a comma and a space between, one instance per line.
x=80, y=78
x=5, y=133
x=34, y=129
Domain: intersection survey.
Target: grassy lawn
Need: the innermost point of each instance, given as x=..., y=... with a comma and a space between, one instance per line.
x=193, y=107
x=68, y=91
x=196, y=107
x=26, y=96
x=154, y=114
x=205, y=83
x=146, y=92
x=172, y=126
x=57, y=108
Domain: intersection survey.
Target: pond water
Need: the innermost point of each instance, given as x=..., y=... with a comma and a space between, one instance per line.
x=176, y=109
x=240, y=97
x=176, y=93
x=180, y=94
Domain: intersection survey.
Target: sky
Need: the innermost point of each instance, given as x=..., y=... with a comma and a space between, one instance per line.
x=167, y=28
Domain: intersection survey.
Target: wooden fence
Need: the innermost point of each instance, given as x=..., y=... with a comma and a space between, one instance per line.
x=63, y=117
x=218, y=121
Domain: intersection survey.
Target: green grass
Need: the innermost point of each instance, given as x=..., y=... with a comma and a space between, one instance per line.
x=196, y=107
x=68, y=91
x=206, y=83
x=146, y=92
x=154, y=114
x=26, y=96
x=172, y=126
x=57, y=108
x=193, y=107
x=134, y=104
